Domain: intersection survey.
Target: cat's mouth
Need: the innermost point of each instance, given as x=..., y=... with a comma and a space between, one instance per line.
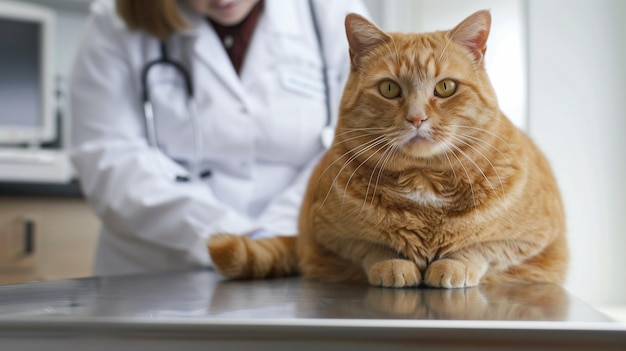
x=420, y=139
x=421, y=144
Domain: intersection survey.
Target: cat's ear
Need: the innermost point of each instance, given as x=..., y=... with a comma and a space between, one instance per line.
x=473, y=33
x=362, y=35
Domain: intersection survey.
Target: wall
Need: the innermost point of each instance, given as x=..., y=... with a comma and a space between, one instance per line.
x=578, y=117
x=69, y=30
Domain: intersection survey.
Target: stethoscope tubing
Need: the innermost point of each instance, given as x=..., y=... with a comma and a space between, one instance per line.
x=328, y=132
x=326, y=136
x=151, y=132
x=164, y=59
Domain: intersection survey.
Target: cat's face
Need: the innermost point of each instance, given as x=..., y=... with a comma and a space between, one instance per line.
x=420, y=96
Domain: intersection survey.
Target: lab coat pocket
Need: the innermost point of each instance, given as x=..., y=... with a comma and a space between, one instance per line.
x=298, y=112
x=303, y=83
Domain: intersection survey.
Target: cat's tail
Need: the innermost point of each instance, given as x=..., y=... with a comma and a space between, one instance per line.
x=240, y=257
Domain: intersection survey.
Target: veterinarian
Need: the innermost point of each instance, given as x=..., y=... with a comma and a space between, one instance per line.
x=195, y=117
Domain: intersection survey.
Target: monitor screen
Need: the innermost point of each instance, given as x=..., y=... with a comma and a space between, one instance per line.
x=26, y=96
x=20, y=72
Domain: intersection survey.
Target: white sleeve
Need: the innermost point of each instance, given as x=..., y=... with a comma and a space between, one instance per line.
x=281, y=216
x=118, y=171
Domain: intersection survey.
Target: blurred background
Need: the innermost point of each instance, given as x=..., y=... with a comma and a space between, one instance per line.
x=558, y=69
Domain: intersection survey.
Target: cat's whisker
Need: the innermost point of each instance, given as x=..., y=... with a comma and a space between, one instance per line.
x=449, y=161
x=383, y=141
x=364, y=135
x=488, y=132
x=367, y=131
x=482, y=142
x=349, y=151
x=331, y=164
x=486, y=159
x=391, y=154
x=483, y=174
x=369, y=183
x=469, y=179
x=355, y=154
x=383, y=158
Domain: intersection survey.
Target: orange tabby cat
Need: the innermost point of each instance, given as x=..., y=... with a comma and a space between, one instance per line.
x=427, y=182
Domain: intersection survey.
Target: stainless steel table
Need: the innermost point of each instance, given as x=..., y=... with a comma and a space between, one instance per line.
x=198, y=310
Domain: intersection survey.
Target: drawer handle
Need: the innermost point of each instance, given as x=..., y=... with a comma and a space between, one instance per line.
x=29, y=236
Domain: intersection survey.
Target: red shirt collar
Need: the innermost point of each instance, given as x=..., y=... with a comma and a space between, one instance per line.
x=236, y=38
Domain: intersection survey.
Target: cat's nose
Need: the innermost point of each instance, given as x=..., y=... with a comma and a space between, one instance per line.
x=417, y=120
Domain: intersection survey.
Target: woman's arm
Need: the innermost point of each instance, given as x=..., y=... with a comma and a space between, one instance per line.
x=119, y=173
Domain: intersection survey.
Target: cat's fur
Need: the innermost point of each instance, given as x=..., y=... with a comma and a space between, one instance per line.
x=418, y=188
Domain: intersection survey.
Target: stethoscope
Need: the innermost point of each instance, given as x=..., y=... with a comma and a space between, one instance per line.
x=148, y=111
x=326, y=136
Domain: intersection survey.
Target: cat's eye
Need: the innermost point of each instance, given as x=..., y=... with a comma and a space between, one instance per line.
x=389, y=89
x=445, y=88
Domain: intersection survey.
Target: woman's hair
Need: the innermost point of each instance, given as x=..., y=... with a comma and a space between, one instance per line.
x=159, y=18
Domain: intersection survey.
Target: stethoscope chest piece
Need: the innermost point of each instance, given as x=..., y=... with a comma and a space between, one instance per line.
x=327, y=136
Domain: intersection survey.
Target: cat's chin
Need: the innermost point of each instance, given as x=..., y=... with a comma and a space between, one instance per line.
x=424, y=149
x=420, y=146
x=420, y=140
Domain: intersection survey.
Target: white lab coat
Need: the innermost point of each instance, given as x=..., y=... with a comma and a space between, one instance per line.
x=260, y=131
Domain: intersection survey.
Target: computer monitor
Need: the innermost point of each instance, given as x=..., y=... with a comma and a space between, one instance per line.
x=26, y=73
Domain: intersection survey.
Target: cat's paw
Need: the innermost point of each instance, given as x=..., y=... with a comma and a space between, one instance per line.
x=228, y=253
x=449, y=273
x=395, y=273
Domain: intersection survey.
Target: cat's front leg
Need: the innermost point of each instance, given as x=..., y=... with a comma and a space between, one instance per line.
x=381, y=265
x=396, y=273
x=469, y=265
x=454, y=273
x=383, y=268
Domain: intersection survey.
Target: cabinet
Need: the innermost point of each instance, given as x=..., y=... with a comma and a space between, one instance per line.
x=45, y=238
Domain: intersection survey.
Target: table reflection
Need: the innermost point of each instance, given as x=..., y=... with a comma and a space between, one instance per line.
x=204, y=294
x=311, y=299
